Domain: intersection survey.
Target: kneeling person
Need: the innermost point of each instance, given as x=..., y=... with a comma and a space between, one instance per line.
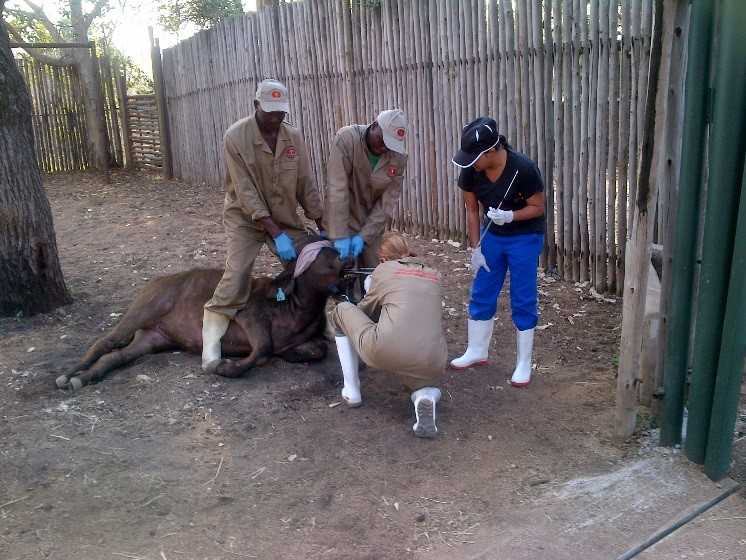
x=396, y=327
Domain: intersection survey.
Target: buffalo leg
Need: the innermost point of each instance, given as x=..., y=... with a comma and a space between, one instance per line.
x=311, y=351
x=144, y=342
x=149, y=306
x=230, y=368
x=260, y=341
x=119, y=337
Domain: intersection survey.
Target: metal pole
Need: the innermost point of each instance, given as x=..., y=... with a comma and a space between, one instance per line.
x=730, y=103
x=684, y=251
x=725, y=166
x=732, y=352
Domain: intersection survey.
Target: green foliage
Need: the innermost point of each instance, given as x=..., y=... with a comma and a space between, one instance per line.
x=30, y=28
x=138, y=81
x=175, y=14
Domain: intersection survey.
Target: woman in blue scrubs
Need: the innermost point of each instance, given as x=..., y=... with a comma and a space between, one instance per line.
x=509, y=187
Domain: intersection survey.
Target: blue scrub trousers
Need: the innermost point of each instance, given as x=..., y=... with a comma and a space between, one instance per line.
x=519, y=254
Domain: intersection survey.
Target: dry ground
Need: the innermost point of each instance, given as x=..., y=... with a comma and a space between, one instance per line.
x=161, y=462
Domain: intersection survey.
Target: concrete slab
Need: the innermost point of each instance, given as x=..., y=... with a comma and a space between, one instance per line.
x=594, y=517
x=718, y=534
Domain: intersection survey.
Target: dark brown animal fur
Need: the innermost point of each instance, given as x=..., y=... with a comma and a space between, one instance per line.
x=167, y=315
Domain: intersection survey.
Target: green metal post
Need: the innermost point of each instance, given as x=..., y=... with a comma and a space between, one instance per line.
x=684, y=250
x=732, y=355
x=725, y=160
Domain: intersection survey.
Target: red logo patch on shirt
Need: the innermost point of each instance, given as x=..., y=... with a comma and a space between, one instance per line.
x=276, y=94
x=391, y=171
x=401, y=133
x=291, y=152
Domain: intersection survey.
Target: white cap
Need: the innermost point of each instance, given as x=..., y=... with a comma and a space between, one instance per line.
x=272, y=96
x=393, y=124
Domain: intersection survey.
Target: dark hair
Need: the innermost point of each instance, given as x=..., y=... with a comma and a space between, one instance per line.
x=503, y=142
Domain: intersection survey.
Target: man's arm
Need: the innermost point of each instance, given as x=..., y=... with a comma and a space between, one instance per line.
x=337, y=201
x=308, y=193
x=382, y=211
x=243, y=182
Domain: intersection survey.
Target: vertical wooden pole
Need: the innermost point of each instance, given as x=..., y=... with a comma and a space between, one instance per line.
x=549, y=108
x=611, y=162
x=638, y=252
x=160, y=96
x=120, y=76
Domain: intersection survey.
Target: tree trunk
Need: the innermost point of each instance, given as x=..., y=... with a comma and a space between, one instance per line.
x=30, y=273
x=98, y=142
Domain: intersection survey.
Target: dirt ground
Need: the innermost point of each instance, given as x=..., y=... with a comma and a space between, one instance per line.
x=161, y=462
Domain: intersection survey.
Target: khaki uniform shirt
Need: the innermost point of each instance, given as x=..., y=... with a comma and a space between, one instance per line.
x=261, y=184
x=405, y=302
x=358, y=198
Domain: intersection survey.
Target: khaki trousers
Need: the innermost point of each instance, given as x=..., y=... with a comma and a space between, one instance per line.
x=245, y=242
x=363, y=335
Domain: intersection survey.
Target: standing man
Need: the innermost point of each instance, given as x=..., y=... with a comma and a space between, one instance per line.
x=363, y=184
x=268, y=175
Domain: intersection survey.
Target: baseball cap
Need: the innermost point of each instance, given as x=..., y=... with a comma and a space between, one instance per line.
x=476, y=138
x=393, y=124
x=272, y=96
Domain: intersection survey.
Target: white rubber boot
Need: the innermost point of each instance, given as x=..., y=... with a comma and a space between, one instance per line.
x=349, y=361
x=524, y=350
x=480, y=334
x=424, y=401
x=214, y=326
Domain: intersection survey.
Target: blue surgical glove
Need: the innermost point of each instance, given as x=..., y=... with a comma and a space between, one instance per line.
x=285, y=247
x=356, y=245
x=343, y=247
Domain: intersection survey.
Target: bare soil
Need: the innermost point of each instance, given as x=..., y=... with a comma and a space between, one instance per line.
x=161, y=462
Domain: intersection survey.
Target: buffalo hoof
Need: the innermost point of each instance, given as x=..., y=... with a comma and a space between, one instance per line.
x=76, y=384
x=227, y=368
x=63, y=381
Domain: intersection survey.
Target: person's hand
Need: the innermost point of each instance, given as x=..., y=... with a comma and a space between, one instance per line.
x=500, y=217
x=343, y=247
x=478, y=261
x=285, y=247
x=356, y=245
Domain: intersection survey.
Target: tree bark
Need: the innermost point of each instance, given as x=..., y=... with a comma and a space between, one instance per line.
x=30, y=275
x=86, y=64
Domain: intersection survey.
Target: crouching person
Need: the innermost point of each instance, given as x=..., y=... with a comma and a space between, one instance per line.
x=397, y=327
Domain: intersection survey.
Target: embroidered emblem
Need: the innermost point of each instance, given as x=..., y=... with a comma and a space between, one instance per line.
x=280, y=295
x=391, y=171
x=276, y=93
x=291, y=152
x=401, y=133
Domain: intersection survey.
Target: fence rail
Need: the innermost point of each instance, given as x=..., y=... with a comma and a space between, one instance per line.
x=566, y=81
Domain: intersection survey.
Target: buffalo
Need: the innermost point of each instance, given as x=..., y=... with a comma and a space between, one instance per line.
x=285, y=316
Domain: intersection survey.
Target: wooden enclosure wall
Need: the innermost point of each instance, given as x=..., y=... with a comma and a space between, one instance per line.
x=144, y=134
x=565, y=80
x=58, y=115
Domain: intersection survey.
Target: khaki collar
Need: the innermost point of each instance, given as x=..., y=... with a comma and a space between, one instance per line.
x=283, y=137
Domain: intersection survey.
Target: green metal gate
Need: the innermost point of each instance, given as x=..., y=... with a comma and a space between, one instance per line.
x=707, y=327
